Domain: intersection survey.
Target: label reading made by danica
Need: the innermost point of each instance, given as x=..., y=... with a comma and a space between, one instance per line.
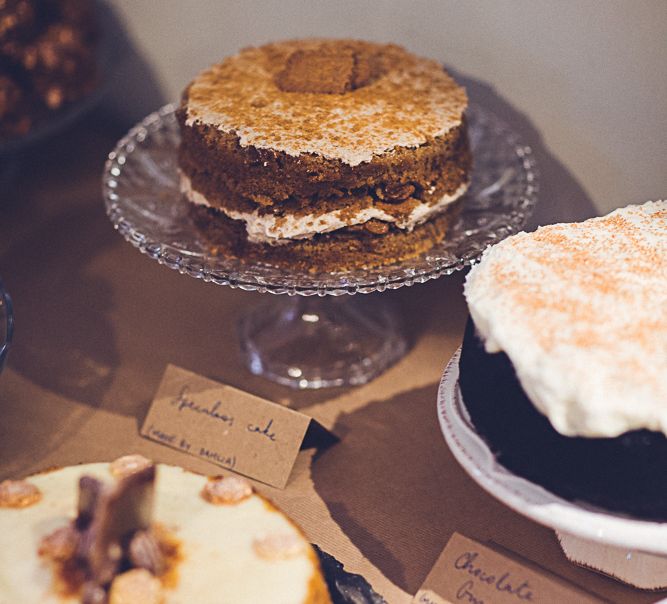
x=226, y=426
x=472, y=573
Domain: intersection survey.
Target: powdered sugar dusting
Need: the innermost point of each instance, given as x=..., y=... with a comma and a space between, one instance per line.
x=412, y=101
x=581, y=311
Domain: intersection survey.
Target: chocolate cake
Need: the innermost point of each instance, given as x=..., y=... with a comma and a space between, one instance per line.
x=324, y=155
x=564, y=362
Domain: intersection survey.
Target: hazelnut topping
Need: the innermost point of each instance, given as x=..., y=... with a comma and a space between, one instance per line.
x=278, y=546
x=377, y=227
x=128, y=464
x=145, y=552
x=18, y=494
x=329, y=69
x=60, y=545
x=231, y=489
x=135, y=586
x=111, y=551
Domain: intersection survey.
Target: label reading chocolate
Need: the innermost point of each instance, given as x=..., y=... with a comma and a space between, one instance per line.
x=226, y=426
x=472, y=573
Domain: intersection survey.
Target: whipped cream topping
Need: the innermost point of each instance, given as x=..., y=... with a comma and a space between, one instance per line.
x=413, y=100
x=268, y=228
x=581, y=311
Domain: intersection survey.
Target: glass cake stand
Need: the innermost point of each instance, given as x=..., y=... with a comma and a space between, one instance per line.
x=315, y=336
x=630, y=550
x=6, y=324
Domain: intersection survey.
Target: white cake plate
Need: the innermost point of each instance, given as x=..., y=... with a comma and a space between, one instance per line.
x=629, y=550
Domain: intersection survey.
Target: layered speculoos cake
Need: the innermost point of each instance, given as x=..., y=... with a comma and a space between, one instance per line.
x=324, y=155
x=564, y=363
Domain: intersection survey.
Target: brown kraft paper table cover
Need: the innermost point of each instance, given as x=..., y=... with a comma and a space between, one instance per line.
x=97, y=323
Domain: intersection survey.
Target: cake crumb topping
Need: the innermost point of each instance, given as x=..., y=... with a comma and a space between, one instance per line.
x=61, y=545
x=227, y=490
x=18, y=494
x=278, y=546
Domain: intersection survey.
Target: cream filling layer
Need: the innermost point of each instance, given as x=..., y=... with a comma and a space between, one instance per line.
x=267, y=228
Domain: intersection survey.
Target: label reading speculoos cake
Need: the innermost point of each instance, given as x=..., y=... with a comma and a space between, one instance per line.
x=226, y=426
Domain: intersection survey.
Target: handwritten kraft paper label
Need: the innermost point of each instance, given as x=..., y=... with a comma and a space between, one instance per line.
x=472, y=573
x=226, y=426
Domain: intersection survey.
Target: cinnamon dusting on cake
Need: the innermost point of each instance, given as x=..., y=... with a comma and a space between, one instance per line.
x=588, y=296
x=573, y=252
x=411, y=100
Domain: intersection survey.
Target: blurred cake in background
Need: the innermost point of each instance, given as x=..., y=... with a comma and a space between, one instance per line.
x=47, y=60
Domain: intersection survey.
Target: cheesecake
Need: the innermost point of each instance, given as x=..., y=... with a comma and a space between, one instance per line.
x=135, y=532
